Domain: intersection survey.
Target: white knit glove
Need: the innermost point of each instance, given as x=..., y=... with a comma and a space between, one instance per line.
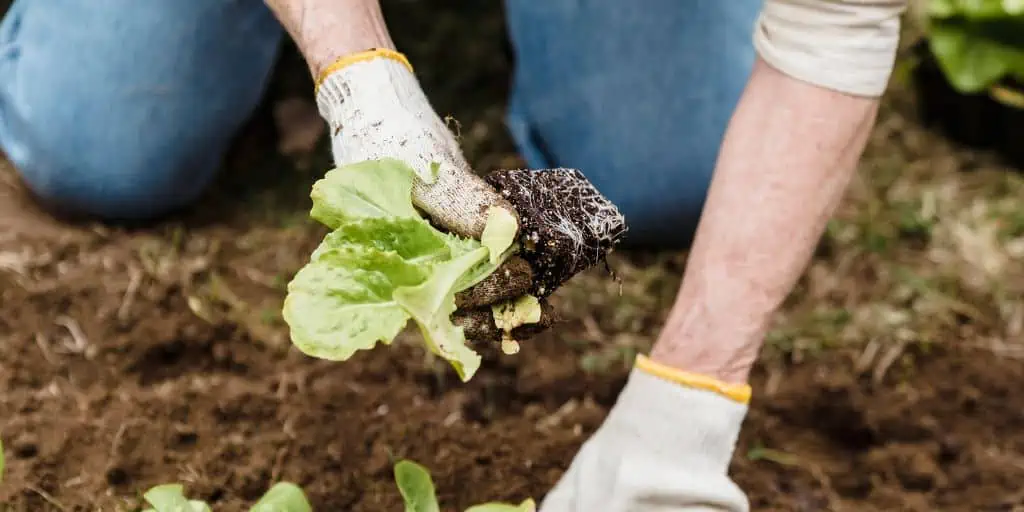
x=664, y=447
x=376, y=108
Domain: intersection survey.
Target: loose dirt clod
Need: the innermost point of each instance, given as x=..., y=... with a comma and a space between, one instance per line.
x=566, y=225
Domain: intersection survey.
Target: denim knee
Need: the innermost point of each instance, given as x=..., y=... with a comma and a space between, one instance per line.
x=123, y=109
x=107, y=180
x=636, y=95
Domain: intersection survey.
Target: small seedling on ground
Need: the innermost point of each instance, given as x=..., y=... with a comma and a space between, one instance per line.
x=418, y=492
x=282, y=497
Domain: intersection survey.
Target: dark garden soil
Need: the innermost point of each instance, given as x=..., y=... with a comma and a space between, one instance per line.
x=111, y=382
x=134, y=356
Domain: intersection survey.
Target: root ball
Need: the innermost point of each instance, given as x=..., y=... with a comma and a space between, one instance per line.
x=566, y=225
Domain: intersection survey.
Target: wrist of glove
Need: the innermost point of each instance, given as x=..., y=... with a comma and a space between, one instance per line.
x=375, y=108
x=665, y=446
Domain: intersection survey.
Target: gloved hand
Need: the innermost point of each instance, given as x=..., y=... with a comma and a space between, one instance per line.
x=664, y=447
x=375, y=108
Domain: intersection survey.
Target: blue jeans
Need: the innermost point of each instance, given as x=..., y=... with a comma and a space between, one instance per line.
x=123, y=109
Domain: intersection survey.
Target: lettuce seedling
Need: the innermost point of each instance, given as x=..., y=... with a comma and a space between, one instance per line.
x=384, y=264
x=418, y=492
x=282, y=497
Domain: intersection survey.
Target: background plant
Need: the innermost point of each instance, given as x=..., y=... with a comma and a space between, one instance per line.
x=417, y=490
x=977, y=43
x=282, y=497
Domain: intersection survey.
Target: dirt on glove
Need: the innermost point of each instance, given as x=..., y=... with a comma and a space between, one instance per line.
x=566, y=224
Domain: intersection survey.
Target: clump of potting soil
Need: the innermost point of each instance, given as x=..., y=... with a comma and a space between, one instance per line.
x=566, y=225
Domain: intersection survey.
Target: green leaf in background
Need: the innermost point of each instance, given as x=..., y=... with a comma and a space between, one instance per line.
x=283, y=497
x=974, y=56
x=970, y=63
x=416, y=486
x=526, y=506
x=977, y=43
x=383, y=265
x=171, y=498
x=1, y=461
x=975, y=9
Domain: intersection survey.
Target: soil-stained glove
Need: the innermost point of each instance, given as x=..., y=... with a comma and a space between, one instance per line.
x=664, y=447
x=376, y=108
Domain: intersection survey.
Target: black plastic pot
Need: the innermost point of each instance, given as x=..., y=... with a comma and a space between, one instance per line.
x=993, y=120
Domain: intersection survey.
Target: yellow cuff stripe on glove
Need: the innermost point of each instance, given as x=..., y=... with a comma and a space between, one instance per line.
x=735, y=392
x=348, y=60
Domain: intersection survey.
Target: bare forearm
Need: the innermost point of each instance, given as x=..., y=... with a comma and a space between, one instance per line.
x=788, y=155
x=325, y=30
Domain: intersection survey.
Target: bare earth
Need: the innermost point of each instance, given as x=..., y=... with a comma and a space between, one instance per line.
x=133, y=356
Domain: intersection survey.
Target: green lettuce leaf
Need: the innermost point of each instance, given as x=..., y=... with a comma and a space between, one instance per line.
x=171, y=498
x=418, y=493
x=382, y=265
x=374, y=188
x=416, y=486
x=499, y=233
x=283, y=497
x=527, y=505
x=343, y=301
x=431, y=305
x=459, y=246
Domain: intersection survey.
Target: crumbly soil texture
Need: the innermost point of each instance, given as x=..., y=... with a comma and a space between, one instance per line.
x=116, y=377
x=132, y=356
x=566, y=224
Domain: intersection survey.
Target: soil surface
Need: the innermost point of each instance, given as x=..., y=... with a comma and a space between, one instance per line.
x=113, y=381
x=134, y=356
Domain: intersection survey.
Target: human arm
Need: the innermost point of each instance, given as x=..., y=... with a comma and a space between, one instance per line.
x=786, y=160
x=327, y=30
x=375, y=108
x=788, y=154
x=373, y=102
